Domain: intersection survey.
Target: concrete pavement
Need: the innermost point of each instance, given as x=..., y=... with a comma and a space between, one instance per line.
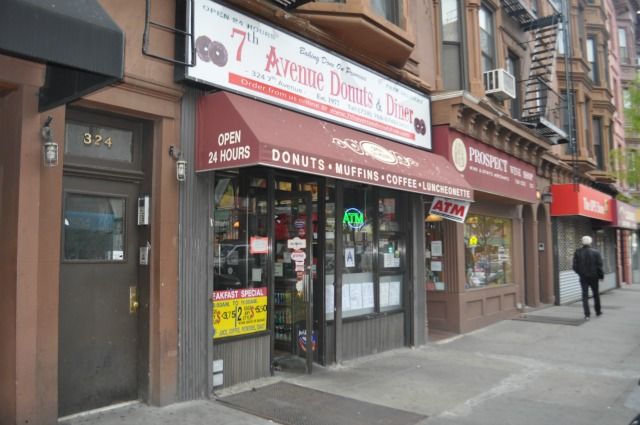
x=513, y=372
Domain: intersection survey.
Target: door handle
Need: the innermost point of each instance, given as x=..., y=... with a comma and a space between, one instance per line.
x=134, y=305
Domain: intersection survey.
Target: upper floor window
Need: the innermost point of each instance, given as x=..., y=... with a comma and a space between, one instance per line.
x=513, y=68
x=592, y=58
x=624, y=50
x=586, y=107
x=596, y=123
x=607, y=75
x=388, y=9
x=581, y=31
x=566, y=117
x=626, y=98
x=451, y=45
x=561, y=49
x=487, y=42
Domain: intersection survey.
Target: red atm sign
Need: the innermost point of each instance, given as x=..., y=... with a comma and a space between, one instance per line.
x=449, y=208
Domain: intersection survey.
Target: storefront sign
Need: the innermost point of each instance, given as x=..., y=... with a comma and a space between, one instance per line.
x=239, y=312
x=270, y=136
x=353, y=218
x=625, y=216
x=298, y=255
x=241, y=54
x=258, y=245
x=576, y=199
x=302, y=340
x=449, y=208
x=296, y=243
x=349, y=257
x=490, y=169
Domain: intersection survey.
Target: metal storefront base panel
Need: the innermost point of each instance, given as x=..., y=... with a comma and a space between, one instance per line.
x=295, y=405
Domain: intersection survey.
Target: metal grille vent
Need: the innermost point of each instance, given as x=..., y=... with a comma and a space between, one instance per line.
x=569, y=231
x=290, y=4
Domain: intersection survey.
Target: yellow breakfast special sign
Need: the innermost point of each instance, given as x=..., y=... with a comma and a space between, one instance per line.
x=239, y=312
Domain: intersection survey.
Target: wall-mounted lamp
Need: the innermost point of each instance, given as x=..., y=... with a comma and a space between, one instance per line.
x=181, y=164
x=546, y=196
x=49, y=147
x=433, y=218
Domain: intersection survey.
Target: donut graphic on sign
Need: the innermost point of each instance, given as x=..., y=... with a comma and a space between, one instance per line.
x=211, y=51
x=420, y=126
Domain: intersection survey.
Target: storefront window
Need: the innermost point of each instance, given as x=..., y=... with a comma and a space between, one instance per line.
x=390, y=239
x=634, y=251
x=357, y=233
x=372, y=279
x=488, y=251
x=433, y=254
x=605, y=242
x=240, y=247
x=240, y=233
x=330, y=251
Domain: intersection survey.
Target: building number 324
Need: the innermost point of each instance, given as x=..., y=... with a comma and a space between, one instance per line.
x=96, y=140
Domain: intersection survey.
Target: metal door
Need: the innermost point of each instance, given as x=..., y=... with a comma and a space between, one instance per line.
x=98, y=330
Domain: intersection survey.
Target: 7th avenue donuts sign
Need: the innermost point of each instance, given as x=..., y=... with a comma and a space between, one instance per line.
x=243, y=55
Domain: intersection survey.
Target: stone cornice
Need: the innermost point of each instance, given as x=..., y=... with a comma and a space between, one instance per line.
x=482, y=120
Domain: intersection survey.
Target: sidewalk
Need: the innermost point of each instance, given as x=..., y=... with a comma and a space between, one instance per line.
x=513, y=372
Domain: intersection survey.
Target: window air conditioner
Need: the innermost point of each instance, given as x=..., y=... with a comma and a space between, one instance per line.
x=500, y=84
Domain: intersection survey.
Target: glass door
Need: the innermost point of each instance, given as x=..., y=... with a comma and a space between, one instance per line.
x=293, y=293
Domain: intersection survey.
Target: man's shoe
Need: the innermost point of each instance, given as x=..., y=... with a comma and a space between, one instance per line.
x=586, y=318
x=599, y=314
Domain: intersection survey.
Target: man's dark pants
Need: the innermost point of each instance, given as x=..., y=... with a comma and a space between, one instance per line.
x=593, y=283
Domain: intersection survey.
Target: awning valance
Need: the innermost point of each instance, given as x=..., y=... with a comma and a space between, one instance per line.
x=234, y=131
x=577, y=199
x=82, y=46
x=625, y=216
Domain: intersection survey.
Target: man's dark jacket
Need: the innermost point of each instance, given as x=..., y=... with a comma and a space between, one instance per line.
x=587, y=262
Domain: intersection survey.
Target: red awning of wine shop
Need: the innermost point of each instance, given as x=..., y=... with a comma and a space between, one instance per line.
x=234, y=131
x=577, y=199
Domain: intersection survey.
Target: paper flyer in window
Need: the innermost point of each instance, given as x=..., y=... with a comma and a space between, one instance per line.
x=367, y=295
x=436, y=248
x=355, y=295
x=384, y=294
x=394, y=293
x=278, y=269
x=389, y=260
x=346, y=299
x=329, y=299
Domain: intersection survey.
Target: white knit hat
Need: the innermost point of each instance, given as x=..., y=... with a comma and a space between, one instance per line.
x=586, y=240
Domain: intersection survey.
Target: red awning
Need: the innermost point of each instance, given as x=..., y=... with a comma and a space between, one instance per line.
x=234, y=131
x=577, y=199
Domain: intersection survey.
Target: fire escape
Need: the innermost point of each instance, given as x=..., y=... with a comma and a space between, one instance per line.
x=290, y=4
x=538, y=91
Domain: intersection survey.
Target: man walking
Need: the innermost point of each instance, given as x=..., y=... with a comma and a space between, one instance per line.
x=587, y=262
